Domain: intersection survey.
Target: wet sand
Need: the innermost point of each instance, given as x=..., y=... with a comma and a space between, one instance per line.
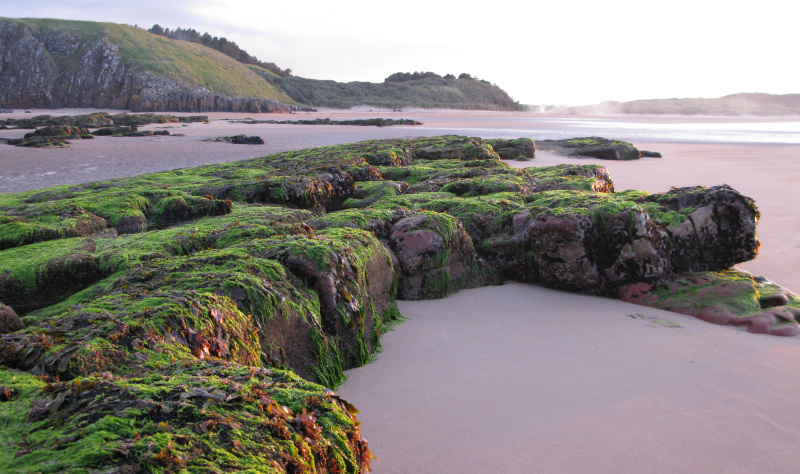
x=524, y=379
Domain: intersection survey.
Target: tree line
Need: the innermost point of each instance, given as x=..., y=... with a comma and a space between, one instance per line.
x=413, y=76
x=223, y=45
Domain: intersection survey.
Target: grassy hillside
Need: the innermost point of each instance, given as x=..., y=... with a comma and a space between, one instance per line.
x=197, y=65
x=189, y=63
x=431, y=92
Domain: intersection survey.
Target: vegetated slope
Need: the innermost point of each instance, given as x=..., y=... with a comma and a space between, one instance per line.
x=429, y=92
x=60, y=63
x=735, y=104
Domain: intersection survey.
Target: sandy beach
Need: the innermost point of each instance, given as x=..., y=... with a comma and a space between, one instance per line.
x=523, y=379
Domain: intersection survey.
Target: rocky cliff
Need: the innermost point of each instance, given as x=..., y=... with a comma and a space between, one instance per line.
x=50, y=64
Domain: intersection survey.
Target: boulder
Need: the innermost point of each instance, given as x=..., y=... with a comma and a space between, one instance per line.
x=650, y=154
x=435, y=255
x=9, y=320
x=707, y=228
x=594, y=147
x=520, y=149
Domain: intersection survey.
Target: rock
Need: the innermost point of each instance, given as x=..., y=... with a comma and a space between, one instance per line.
x=245, y=140
x=462, y=148
x=58, y=131
x=178, y=292
x=594, y=147
x=239, y=139
x=272, y=409
x=521, y=149
x=708, y=228
x=727, y=297
x=9, y=320
x=771, y=301
x=435, y=254
x=650, y=154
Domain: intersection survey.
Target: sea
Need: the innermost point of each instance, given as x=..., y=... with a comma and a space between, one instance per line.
x=635, y=129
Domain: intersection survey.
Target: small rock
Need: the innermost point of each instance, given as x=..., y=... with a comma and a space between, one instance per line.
x=650, y=154
x=9, y=321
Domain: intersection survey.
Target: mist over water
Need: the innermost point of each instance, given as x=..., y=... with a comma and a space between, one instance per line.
x=644, y=130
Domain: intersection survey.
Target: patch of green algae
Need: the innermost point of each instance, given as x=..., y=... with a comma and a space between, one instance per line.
x=187, y=416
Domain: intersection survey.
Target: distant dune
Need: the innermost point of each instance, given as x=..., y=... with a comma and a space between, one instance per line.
x=736, y=104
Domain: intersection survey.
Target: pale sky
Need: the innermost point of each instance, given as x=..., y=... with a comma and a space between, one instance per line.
x=571, y=52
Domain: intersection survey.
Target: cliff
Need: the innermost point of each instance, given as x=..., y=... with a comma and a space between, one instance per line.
x=55, y=63
x=58, y=63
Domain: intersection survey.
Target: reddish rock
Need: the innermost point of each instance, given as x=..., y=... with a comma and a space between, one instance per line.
x=435, y=256
x=730, y=297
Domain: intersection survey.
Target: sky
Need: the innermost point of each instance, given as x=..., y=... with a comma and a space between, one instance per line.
x=563, y=52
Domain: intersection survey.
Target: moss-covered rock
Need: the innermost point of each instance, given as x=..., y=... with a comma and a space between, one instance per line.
x=728, y=297
x=163, y=295
x=594, y=147
x=186, y=416
x=520, y=149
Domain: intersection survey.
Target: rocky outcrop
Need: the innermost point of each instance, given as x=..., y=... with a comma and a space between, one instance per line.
x=434, y=255
x=239, y=140
x=53, y=67
x=707, y=228
x=520, y=149
x=184, y=292
x=593, y=147
x=729, y=297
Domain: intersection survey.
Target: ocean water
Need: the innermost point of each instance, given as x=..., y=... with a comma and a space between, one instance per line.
x=685, y=130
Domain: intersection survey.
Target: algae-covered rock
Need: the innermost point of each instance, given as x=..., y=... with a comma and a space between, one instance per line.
x=175, y=300
x=435, y=255
x=520, y=149
x=708, y=228
x=730, y=297
x=594, y=147
x=186, y=416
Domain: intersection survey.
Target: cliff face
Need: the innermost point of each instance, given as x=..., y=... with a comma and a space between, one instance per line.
x=49, y=68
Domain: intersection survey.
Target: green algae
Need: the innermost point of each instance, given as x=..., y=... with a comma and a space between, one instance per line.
x=277, y=262
x=193, y=417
